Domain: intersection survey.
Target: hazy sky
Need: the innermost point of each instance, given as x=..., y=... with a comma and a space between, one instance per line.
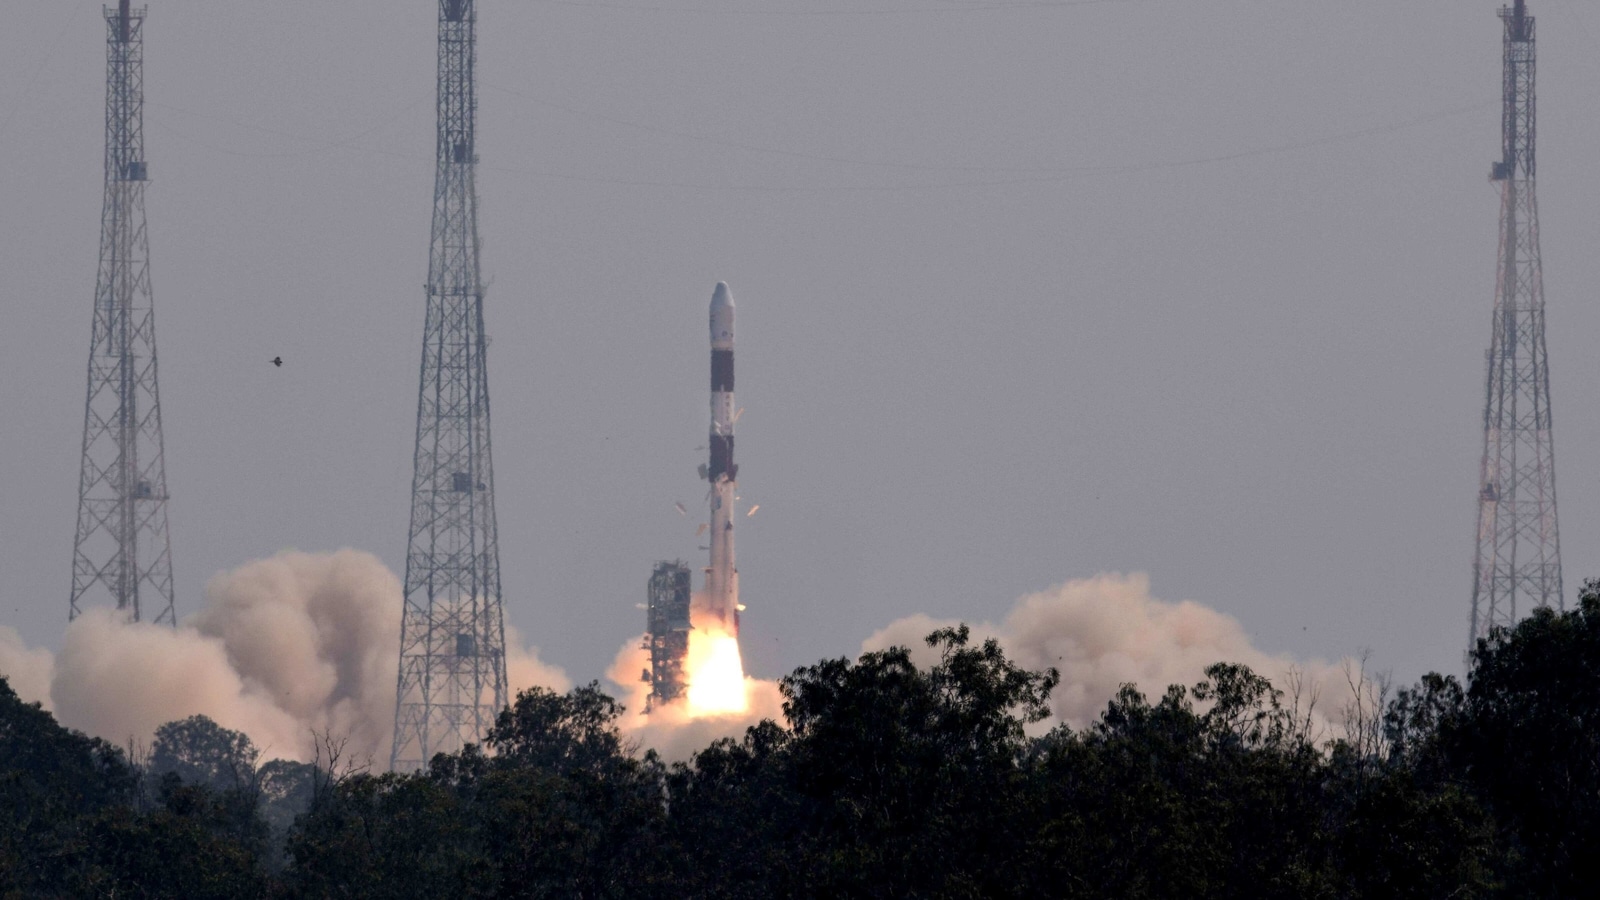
x=1027, y=291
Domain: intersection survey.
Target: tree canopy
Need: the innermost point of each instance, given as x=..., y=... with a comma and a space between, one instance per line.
x=884, y=779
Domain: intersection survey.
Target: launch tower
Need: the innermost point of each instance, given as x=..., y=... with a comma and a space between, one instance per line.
x=667, y=637
x=121, y=552
x=452, y=680
x=1518, y=564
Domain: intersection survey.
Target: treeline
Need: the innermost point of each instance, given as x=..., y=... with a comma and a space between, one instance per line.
x=884, y=780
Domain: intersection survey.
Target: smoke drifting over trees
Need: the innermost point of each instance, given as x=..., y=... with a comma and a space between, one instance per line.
x=305, y=643
x=285, y=647
x=1100, y=633
x=1104, y=632
x=27, y=668
x=882, y=778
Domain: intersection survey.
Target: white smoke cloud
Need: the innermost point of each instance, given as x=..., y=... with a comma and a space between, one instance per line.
x=27, y=670
x=1106, y=631
x=672, y=730
x=302, y=642
x=524, y=668
x=285, y=646
x=1099, y=633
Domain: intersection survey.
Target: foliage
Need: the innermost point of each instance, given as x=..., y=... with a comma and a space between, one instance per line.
x=78, y=829
x=201, y=752
x=1527, y=741
x=884, y=779
x=285, y=788
x=565, y=733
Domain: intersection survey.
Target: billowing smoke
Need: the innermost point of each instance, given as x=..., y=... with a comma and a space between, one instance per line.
x=670, y=729
x=308, y=642
x=1106, y=631
x=27, y=669
x=675, y=730
x=286, y=646
x=1099, y=633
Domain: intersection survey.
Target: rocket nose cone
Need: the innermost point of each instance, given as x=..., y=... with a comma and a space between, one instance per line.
x=722, y=318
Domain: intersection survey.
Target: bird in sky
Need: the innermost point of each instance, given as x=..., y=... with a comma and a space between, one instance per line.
x=277, y=361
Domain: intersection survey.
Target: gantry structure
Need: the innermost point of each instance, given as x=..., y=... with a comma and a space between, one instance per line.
x=1518, y=562
x=121, y=553
x=666, y=632
x=452, y=679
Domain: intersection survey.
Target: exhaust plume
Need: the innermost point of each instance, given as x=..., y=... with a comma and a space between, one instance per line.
x=27, y=669
x=1099, y=633
x=721, y=700
x=308, y=641
x=285, y=646
x=1106, y=631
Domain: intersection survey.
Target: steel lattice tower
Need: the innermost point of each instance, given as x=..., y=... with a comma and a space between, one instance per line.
x=667, y=635
x=121, y=551
x=452, y=680
x=1518, y=563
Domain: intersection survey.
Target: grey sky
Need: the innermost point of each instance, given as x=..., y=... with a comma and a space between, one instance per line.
x=1027, y=291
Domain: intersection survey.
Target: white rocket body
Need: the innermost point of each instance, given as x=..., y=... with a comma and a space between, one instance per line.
x=722, y=575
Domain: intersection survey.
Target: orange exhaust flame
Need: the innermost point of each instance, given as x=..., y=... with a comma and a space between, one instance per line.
x=715, y=674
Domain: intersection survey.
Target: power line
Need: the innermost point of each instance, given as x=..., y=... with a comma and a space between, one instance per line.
x=1018, y=5
x=49, y=54
x=1026, y=170
x=322, y=147
x=1033, y=175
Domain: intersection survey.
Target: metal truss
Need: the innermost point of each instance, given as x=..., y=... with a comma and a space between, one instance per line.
x=1518, y=565
x=667, y=637
x=452, y=679
x=121, y=552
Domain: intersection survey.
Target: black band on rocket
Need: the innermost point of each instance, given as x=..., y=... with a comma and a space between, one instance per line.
x=722, y=370
x=721, y=457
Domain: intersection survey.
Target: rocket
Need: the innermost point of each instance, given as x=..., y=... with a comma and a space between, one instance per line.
x=722, y=576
